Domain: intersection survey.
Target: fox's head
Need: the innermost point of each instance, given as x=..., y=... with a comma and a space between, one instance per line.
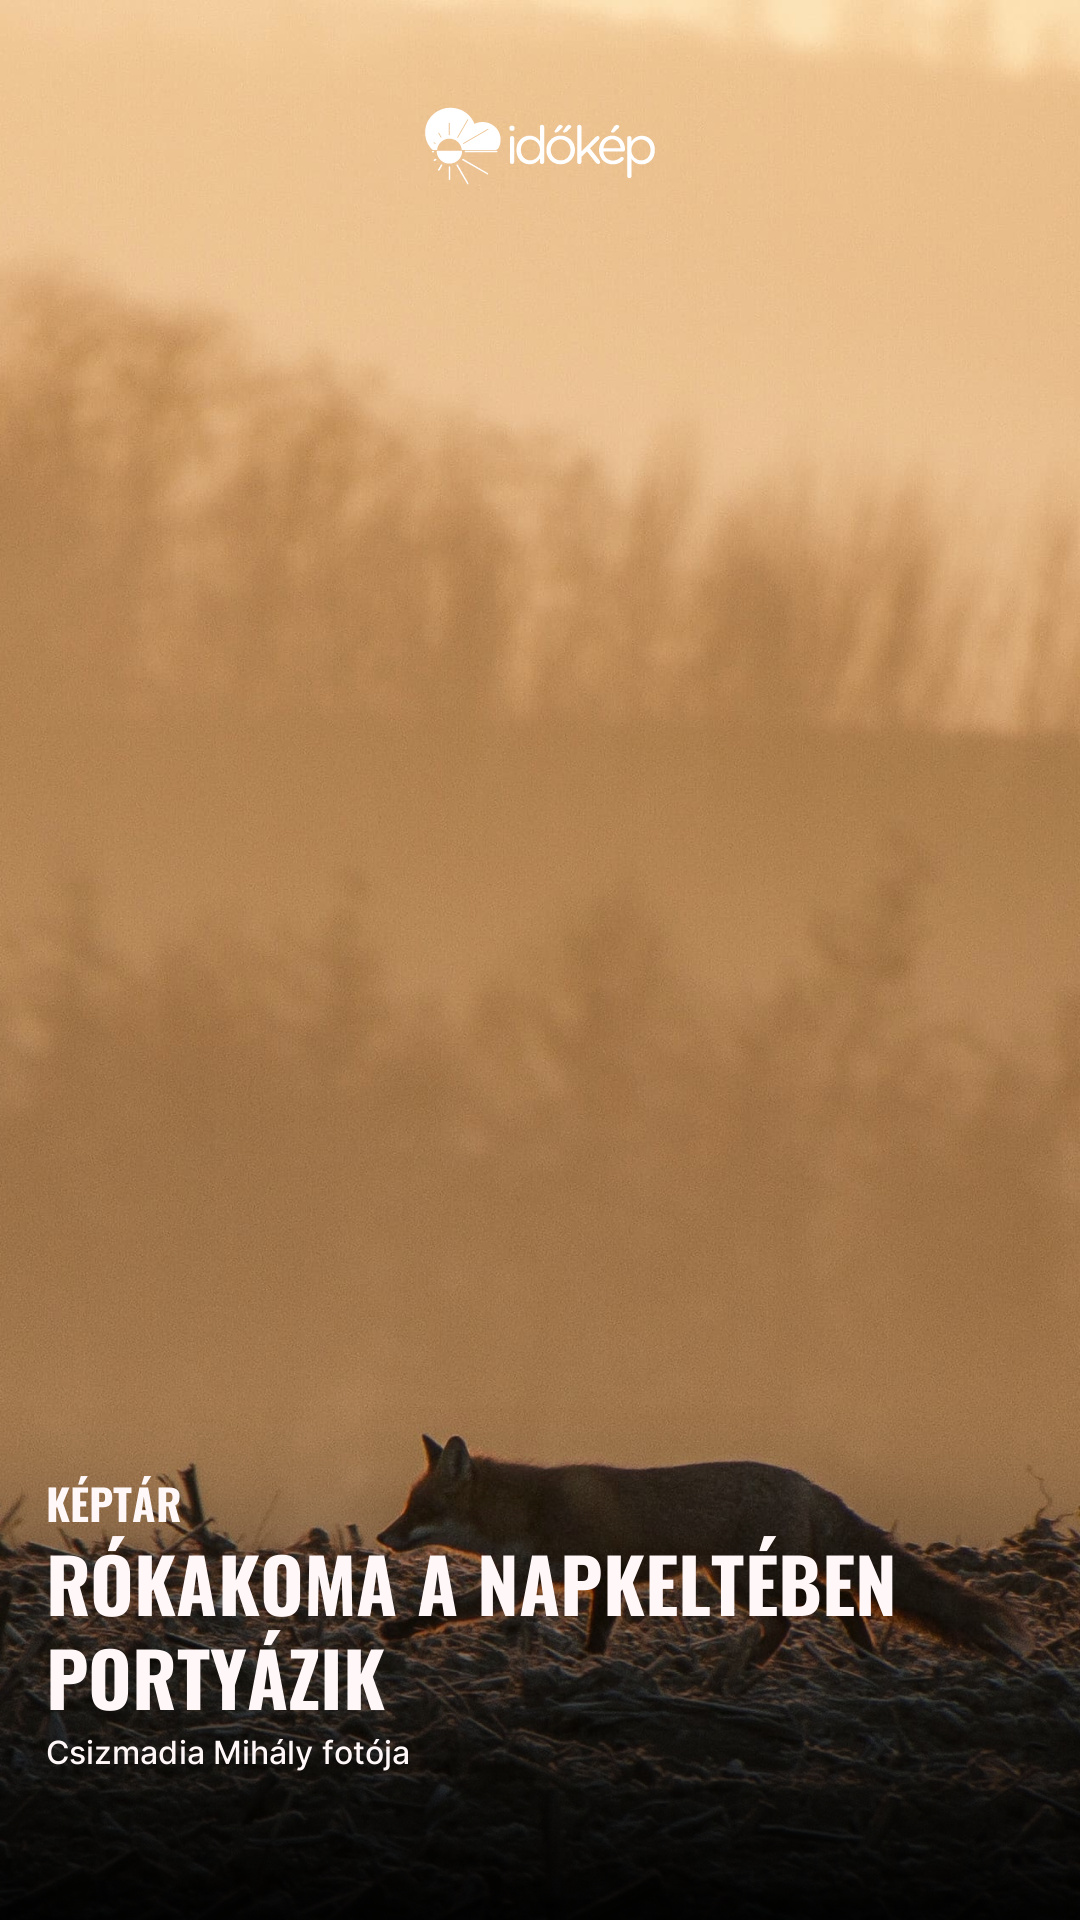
x=437, y=1511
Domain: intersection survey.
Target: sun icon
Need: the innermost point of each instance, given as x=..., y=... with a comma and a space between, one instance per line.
x=453, y=136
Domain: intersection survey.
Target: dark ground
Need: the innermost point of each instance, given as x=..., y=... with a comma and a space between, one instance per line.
x=665, y=1778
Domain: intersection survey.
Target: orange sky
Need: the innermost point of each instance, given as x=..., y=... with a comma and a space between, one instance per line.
x=836, y=260
x=828, y=259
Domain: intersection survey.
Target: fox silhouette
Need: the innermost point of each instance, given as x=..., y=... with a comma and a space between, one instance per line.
x=475, y=1505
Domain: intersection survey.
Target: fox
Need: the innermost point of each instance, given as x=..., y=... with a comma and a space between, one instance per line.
x=475, y=1505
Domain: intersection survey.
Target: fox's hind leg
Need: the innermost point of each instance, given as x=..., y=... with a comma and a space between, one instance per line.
x=600, y=1625
x=853, y=1624
x=858, y=1632
x=773, y=1635
x=773, y=1631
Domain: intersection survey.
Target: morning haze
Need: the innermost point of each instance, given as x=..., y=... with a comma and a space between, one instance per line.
x=838, y=256
x=538, y=763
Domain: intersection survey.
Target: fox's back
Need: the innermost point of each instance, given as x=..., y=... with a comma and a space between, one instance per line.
x=719, y=1506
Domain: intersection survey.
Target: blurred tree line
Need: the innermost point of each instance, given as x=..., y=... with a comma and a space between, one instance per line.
x=596, y=1181
x=226, y=1148
x=179, y=523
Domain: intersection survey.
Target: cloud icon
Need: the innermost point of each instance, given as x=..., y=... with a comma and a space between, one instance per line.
x=454, y=136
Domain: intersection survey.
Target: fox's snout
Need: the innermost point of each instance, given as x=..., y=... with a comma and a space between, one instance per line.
x=395, y=1536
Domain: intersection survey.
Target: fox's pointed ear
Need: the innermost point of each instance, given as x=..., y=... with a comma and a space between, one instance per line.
x=456, y=1463
x=433, y=1451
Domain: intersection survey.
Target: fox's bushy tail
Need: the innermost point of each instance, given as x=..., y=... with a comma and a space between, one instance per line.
x=934, y=1602
x=940, y=1605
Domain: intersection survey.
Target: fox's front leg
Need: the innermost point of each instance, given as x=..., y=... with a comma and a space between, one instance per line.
x=403, y=1626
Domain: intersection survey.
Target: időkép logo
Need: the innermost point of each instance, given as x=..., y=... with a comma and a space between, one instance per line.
x=454, y=137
